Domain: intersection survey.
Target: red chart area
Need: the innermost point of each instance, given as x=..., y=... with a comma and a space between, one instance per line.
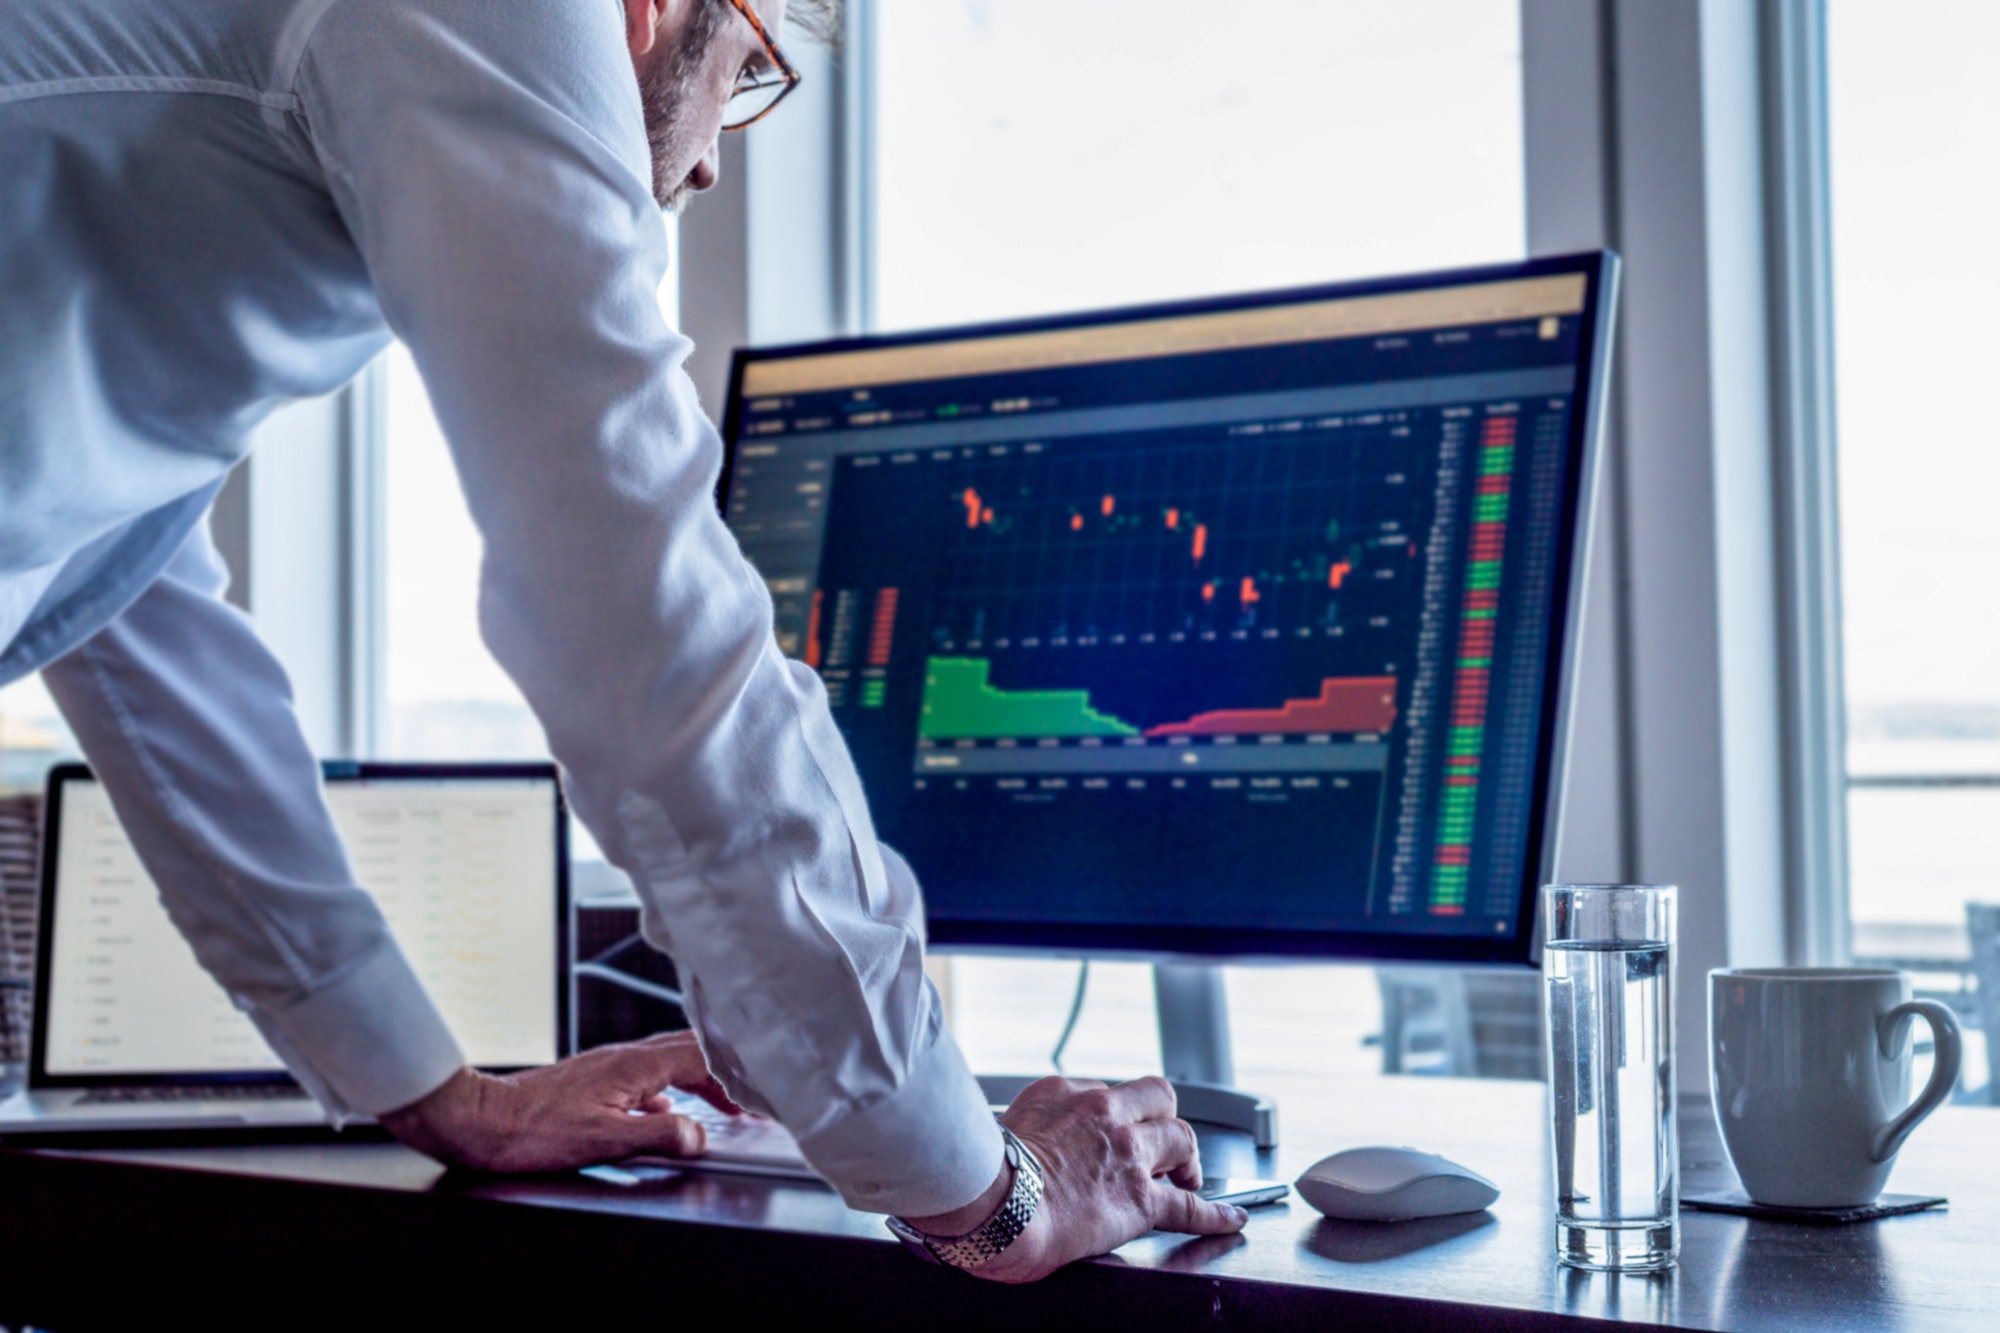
x=1345, y=703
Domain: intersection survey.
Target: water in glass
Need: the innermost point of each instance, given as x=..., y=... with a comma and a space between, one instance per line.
x=1611, y=1076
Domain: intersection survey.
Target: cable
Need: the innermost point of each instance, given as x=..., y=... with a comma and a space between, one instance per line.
x=1075, y=1012
x=652, y=990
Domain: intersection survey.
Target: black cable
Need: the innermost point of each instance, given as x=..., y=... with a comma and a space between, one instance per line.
x=1075, y=1012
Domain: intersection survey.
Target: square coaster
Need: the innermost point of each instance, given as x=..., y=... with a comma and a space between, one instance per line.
x=1739, y=1203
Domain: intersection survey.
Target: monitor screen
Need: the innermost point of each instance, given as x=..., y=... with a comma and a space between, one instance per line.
x=466, y=871
x=1234, y=628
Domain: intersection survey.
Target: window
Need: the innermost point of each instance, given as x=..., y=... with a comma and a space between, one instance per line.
x=444, y=697
x=1040, y=155
x=1914, y=114
x=1033, y=156
x=33, y=736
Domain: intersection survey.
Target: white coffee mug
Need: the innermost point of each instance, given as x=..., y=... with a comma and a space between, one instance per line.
x=1809, y=1069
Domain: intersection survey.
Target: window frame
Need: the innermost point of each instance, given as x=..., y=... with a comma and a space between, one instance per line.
x=1807, y=439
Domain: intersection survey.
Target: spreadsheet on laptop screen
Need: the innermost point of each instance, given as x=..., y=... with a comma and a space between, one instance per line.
x=465, y=871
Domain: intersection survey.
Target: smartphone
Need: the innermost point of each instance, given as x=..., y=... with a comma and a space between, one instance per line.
x=1244, y=1193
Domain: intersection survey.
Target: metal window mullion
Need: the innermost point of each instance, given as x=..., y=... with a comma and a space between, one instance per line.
x=1808, y=518
x=363, y=610
x=1570, y=133
x=858, y=158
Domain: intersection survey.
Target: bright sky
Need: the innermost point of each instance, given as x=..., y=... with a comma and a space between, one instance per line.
x=1915, y=143
x=432, y=617
x=1040, y=155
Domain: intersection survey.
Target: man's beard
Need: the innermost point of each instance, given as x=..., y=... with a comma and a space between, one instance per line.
x=667, y=93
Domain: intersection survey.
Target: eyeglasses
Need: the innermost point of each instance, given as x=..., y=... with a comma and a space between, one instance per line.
x=758, y=93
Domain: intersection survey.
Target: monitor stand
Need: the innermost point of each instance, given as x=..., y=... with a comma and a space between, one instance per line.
x=1193, y=1011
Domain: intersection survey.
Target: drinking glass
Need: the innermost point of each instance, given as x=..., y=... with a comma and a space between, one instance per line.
x=1608, y=964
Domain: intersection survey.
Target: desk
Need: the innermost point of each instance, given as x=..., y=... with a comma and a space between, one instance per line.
x=349, y=1231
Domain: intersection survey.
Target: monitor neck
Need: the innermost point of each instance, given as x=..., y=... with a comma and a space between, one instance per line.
x=1193, y=1008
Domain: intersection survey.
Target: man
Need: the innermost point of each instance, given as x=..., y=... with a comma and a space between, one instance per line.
x=211, y=206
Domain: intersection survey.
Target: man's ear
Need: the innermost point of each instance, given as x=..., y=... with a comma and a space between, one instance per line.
x=642, y=25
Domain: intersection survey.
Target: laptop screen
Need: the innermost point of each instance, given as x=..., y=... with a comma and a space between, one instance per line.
x=467, y=871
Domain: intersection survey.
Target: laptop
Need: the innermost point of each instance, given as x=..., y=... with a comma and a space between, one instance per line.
x=469, y=862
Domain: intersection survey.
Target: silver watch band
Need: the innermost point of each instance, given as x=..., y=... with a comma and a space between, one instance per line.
x=980, y=1247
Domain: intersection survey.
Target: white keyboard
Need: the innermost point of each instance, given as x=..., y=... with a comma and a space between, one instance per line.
x=743, y=1144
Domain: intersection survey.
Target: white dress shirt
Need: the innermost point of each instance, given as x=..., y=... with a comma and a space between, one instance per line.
x=208, y=207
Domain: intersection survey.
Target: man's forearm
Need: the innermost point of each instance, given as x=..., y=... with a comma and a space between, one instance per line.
x=187, y=719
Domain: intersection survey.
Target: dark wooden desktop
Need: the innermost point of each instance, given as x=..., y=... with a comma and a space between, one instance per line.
x=370, y=1235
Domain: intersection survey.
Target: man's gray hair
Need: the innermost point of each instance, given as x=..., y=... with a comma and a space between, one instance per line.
x=818, y=19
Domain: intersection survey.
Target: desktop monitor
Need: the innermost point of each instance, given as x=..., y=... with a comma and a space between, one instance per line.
x=1232, y=628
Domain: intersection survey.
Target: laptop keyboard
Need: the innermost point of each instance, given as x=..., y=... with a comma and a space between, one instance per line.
x=745, y=1139
x=246, y=1092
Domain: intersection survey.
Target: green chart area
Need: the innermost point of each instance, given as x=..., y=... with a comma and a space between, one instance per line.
x=960, y=705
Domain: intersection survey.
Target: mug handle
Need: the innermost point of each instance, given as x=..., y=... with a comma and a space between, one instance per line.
x=1891, y=1028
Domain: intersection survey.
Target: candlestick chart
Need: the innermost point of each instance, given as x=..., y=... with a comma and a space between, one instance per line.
x=1266, y=538
x=1139, y=594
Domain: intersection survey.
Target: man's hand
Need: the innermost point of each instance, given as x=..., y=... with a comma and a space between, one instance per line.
x=1116, y=1163
x=600, y=1106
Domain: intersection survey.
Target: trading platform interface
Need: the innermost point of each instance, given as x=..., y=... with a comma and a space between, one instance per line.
x=1240, y=620
x=464, y=870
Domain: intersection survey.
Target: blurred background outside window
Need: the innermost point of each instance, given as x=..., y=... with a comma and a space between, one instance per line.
x=1914, y=114
x=33, y=736
x=443, y=695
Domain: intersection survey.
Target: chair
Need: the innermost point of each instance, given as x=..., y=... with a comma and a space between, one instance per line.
x=20, y=844
x=1461, y=1023
x=1982, y=924
x=1426, y=1026
x=1506, y=1011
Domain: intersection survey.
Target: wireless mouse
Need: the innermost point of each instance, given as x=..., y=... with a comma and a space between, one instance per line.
x=1393, y=1185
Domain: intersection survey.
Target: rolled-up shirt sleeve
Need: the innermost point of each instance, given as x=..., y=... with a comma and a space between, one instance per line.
x=491, y=162
x=187, y=720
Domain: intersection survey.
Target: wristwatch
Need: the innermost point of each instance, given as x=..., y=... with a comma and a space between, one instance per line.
x=977, y=1248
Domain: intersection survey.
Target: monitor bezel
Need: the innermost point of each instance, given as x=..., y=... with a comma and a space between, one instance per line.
x=1522, y=946
x=332, y=771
